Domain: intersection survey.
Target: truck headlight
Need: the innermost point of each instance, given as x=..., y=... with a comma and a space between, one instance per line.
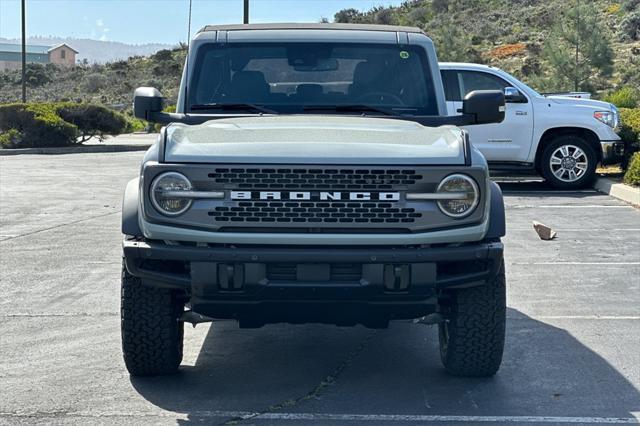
x=610, y=118
x=459, y=207
x=165, y=193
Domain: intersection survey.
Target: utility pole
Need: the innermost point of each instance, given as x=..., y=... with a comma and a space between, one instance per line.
x=577, y=76
x=24, y=54
x=246, y=12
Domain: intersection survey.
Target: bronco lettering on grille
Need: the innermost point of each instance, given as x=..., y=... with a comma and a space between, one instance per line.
x=314, y=195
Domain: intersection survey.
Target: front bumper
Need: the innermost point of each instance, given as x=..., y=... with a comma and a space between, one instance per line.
x=341, y=285
x=612, y=151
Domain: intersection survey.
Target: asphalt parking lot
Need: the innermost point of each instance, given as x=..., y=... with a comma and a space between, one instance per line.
x=573, y=332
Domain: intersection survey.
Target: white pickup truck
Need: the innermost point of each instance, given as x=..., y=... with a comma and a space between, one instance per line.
x=561, y=138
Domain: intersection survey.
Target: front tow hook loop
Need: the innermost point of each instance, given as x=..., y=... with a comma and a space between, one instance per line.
x=194, y=318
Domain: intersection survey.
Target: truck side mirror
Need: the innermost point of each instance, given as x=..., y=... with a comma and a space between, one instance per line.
x=487, y=106
x=147, y=103
x=513, y=95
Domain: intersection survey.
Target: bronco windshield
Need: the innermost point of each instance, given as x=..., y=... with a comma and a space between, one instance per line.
x=311, y=77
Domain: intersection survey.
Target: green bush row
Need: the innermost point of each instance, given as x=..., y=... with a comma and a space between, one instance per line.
x=632, y=176
x=630, y=132
x=626, y=97
x=58, y=124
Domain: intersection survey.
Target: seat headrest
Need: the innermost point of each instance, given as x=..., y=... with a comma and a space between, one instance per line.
x=366, y=73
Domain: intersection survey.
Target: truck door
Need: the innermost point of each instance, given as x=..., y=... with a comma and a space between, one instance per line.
x=507, y=141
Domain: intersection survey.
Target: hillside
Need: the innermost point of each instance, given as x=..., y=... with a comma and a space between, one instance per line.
x=109, y=84
x=511, y=34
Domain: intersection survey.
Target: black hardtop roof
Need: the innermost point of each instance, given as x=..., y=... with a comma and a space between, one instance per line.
x=312, y=26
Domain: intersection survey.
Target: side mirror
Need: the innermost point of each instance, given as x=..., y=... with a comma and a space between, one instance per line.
x=147, y=103
x=487, y=106
x=513, y=95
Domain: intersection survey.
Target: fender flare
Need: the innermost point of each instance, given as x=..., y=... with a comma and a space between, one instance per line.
x=497, y=220
x=130, y=204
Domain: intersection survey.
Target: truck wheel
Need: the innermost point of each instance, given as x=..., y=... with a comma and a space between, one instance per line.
x=569, y=162
x=151, y=332
x=472, y=338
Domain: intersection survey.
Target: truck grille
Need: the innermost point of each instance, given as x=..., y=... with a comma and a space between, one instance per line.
x=315, y=212
x=311, y=178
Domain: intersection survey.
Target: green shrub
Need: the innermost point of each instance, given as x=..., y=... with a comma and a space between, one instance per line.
x=135, y=124
x=38, y=125
x=95, y=82
x=630, y=132
x=10, y=138
x=626, y=97
x=92, y=120
x=57, y=124
x=632, y=176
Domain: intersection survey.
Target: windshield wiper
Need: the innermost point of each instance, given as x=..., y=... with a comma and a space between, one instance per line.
x=351, y=107
x=236, y=106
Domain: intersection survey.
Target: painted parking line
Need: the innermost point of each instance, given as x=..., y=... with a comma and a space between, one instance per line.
x=578, y=263
x=560, y=206
x=582, y=229
x=586, y=317
x=525, y=192
x=246, y=415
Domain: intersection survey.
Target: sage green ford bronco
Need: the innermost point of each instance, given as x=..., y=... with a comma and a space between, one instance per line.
x=310, y=174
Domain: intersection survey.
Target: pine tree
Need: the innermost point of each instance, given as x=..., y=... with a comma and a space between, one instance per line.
x=578, y=49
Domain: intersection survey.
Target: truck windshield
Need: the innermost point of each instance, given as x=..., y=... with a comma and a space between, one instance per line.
x=297, y=77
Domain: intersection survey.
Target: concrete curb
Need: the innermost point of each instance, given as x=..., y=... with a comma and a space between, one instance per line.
x=623, y=192
x=76, y=149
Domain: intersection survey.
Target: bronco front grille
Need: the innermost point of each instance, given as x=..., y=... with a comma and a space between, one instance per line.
x=314, y=212
x=311, y=178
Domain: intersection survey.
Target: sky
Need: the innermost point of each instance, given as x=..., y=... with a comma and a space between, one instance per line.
x=157, y=21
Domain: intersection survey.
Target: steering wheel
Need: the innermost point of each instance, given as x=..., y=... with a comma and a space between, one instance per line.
x=380, y=97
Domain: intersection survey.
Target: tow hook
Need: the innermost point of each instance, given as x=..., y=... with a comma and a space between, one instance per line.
x=194, y=318
x=430, y=319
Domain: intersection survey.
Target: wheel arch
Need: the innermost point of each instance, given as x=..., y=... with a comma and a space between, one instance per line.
x=130, y=203
x=550, y=134
x=497, y=223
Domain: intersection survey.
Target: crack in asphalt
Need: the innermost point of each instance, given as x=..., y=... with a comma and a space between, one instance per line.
x=315, y=392
x=26, y=234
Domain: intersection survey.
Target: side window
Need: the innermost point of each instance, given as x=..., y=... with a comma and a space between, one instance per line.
x=474, y=80
x=451, y=85
x=63, y=54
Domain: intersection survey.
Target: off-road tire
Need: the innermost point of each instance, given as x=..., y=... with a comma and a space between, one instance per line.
x=472, y=336
x=575, y=140
x=152, y=335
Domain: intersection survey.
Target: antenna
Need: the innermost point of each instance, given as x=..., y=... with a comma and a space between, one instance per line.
x=186, y=62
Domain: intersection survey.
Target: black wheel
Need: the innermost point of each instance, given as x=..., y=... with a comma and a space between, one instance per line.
x=151, y=331
x=568, y=162
x=472, y=338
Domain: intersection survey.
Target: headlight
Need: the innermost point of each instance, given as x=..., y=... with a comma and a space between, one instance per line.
x=163, y=193
x=610, y=118
x=460, y=207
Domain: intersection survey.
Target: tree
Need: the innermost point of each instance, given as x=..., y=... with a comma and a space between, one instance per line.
x=577, y=48
x=348, y=16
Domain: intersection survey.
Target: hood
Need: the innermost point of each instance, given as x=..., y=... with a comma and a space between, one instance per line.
x=314, y=139
x=587, y=103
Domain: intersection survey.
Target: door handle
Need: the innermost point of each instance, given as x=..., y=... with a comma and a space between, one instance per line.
x=521, y=112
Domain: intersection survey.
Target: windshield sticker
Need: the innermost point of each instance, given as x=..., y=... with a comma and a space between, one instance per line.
x=404, y=54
